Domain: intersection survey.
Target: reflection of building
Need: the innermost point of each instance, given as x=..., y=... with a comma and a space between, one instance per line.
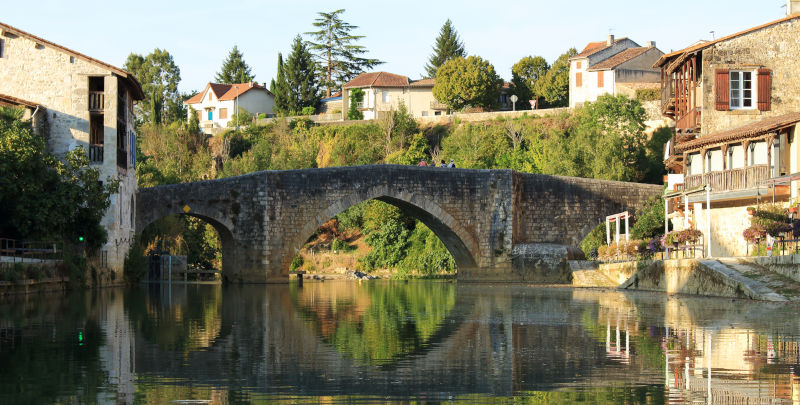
x=736, y=103
x=76, y=100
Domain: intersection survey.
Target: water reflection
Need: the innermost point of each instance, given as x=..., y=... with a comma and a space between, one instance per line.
x=425, y=341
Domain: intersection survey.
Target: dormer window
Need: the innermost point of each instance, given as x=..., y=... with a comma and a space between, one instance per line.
x=741, y=88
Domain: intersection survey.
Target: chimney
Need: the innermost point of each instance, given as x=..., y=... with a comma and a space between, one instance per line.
x=610, y=40
x=792, y=7
x=651, y=44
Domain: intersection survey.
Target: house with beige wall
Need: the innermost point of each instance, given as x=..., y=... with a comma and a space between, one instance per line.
x=76, y=100
x=384, y=92
x=217, y=103
x=736, y=103
x=616, y=66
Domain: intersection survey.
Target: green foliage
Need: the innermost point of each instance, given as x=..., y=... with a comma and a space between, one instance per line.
x=352, y=218
x=648, y=94
x=308, y=110
x=649, y=220
x=297, y=263
x=44, y=198
x=159, y=76
x=301, y=80
x=340, y=246
x=463, y=82
x=338, y=56
x=234, y=69
x=135, y=267
x=553, y=87
x=280, y=88
x=356, y=96
x=426, y=254
x=595, y=239
x=524, y=75
x=241, y=117
x=447, y=46
x=772, y=218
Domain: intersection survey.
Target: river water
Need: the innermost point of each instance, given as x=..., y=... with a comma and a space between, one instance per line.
x=424, y=341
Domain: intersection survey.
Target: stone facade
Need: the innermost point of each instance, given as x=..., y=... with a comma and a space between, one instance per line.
x=774, y=47
x=58, y=79
x=499, y=225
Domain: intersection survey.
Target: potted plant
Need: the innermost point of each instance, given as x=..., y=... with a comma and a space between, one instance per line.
x=751, y=211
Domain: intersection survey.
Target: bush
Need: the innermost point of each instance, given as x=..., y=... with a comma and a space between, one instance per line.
x=649, y=220
x=648, y=94
x=297, y=262
x=135, y=267
x=595, y=239
x=308, y=110
x=340, y=246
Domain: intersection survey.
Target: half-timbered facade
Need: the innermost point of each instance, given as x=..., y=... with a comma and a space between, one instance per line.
x=736, y=104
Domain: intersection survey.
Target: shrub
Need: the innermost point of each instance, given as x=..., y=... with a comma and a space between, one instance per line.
x=340, y=245
x=595, y=239
x=309, y=110
x=648, y=94
x=297, y=262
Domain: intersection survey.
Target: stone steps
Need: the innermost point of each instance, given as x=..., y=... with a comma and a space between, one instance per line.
x=779, y=283
x=750, y=280
x=585, y=273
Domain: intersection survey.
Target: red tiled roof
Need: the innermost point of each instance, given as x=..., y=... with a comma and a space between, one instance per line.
x=377, y=79
x=11, y=100
x=423, y=83
x=134, y=84
x=751, y=129
x=225, y=92
x=697, y=47
x=594, y=47
x=619, y=58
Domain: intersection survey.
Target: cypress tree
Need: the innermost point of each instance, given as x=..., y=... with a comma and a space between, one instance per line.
x=280, y=88
x=234, y=69
x=448, y=46
x=302, y=82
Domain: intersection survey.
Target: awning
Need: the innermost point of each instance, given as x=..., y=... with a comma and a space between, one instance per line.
x=749, y=130
x=787, y=178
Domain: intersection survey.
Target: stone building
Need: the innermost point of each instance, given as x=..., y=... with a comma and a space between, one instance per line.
x=76, y=100
x=384, y=92
x=736, y=103
x=615, y=66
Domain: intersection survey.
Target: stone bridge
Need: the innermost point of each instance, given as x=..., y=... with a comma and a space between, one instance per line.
x=499, y=225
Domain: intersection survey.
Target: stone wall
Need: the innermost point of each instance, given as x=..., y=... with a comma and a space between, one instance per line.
x=59, y=81
x=776, y=48
x=498, y=225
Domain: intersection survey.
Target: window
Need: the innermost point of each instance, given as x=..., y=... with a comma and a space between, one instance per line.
x=2, y=48
x=578, y=80
x=577, y=65
x=600, y=77
x=223, y=113
x=741, y=89
x=385, y=96
x=424, y=113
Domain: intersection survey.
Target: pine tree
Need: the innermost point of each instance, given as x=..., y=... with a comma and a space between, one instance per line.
x=280, y=89
x=448, y=46
x=338, y=57
x=301, y=79
x=234, y=69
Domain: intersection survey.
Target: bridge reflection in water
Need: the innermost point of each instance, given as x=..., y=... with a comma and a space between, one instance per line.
x=421, y=340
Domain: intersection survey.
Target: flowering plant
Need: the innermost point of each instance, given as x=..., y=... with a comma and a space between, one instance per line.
x=754, y=233
x=777, y=228
x=690, y=235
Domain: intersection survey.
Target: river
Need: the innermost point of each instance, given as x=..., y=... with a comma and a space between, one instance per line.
x=383, y=341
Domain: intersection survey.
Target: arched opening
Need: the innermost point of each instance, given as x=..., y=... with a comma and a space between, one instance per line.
x=203, y=241
x=412, y=238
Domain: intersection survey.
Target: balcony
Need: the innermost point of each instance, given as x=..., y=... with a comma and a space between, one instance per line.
x=730, y=180
x=96, y=101
x=435, y=105
x=362, y=105
x=96, y=153
x=690, y=121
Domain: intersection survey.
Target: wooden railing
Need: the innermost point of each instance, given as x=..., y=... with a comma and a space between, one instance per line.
x=667, y=96
x=96, y=153
x=690, y=120
x=729, y=180
x=96, y=101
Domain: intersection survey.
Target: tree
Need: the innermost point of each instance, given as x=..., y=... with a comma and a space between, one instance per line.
x=159, y=77
x=280, y=88
x=234, y=69
x=525, y=74
x=554, y=86
x=448, y=46
x=356, y=96
x=470, y=81
x=337, y=54
x=299, y=70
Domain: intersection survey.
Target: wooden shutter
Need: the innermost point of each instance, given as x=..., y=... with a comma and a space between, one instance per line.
x=600, y=79
x=578, y=80
x=722, y=89
x=764, y=89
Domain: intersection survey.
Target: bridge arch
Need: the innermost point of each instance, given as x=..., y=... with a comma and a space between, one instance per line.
x=462, y=244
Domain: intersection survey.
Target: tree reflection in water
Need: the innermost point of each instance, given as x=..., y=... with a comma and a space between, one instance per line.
x=376, y=323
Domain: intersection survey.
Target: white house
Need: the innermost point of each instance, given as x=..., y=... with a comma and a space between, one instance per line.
x=612, y=67
x=217, y=103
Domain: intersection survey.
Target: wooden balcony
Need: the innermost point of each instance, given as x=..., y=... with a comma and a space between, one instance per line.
x=690, y=121
x=95, y=153
x=730, y=180
x=96, y=101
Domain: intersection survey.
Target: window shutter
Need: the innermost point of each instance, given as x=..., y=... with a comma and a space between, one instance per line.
x=722, y=85
x=600, y=79
x=764, y=89
x=578, y=80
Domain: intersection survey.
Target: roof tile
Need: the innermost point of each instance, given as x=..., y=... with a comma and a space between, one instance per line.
x=619, y=58
x=750, y=129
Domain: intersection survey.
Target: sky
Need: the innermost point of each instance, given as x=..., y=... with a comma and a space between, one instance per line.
x=200, y=34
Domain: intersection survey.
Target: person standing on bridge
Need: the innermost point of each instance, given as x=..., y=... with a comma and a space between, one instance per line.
x=452, y=164
x=422, y=163
x=443, y=164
